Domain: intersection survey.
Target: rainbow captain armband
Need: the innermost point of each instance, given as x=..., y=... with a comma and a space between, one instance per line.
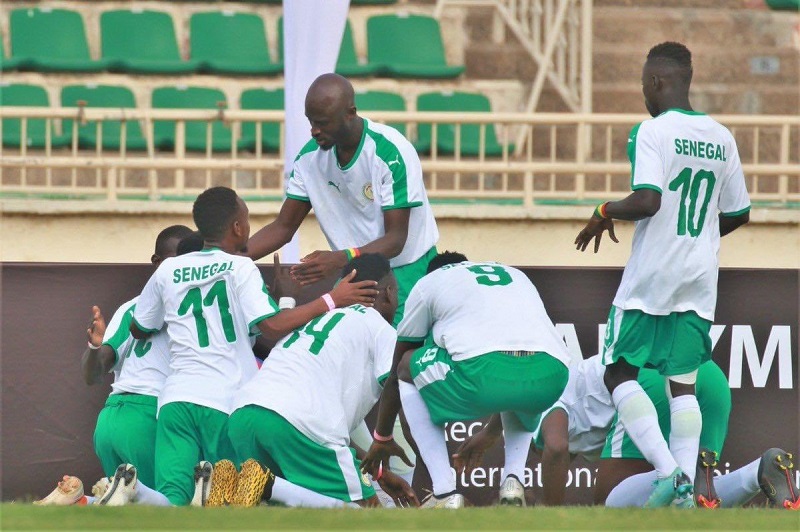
x=600, y=211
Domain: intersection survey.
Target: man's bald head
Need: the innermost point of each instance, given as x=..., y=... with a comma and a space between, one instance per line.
x=331, y=90
x=331, y=110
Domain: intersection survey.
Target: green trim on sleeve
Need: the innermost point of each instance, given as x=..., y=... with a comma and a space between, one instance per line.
x=309, y=146
x=651, y=187
x=406, y=206
x=298, y=198
x=143, y=329
x=259, y=320
x=122, y=334
x=393, y=159
x=736, y=213
x=410, y=339
x=382, y=378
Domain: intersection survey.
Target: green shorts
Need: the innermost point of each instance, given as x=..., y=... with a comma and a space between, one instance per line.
x=713, y=395
x=674, y=344
x=264, y=435
x=407, y=276
x=186, y=434
x=126, y=434
x=487, y=384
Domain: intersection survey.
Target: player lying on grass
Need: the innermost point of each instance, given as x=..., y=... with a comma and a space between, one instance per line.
x=494, y=350
x=126, y=426
x=291, y=423
x=211, y=302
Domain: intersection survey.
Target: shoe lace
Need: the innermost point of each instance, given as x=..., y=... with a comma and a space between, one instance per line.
x=794, y=503
x=710, y=504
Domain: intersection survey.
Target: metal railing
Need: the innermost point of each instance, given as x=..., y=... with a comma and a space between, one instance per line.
x=470, y=156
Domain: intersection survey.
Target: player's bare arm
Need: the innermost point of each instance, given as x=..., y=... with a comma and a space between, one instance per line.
x=555, y=456
x=319, y=264
x=344, y=294
x=275, y=235
x=384, y=445
x=469, y=454
x=97, y=359
x=394, y=485
x=640, y=204
x=728, y=224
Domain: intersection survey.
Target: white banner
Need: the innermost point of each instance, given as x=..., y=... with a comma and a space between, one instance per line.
x=312, y=36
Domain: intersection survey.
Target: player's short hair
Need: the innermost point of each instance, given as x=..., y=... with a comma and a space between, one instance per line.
x=370, y=267
x=444, y=258
x=172, y=232
x=676, y=53
x=192, y=242
x=213, y=211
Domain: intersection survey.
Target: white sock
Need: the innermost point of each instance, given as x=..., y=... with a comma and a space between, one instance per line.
x=294, y=495
x=739, y=486
x=430, y=439
x=89, y=499
x=640, y=419
x=686, y=424
x=633, y=491
x=517, y=444
x=149, y=496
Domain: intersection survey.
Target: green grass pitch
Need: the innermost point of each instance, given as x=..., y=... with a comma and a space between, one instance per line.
x=29, y=517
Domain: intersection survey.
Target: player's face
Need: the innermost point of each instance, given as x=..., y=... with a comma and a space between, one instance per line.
x=243, y=221
x=328, y=125
x=649, y=90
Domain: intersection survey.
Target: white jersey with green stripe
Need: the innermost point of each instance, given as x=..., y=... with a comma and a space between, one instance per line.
x=140, y=366
x=477, y=308
x=693, y=162
x=384, y=174
x=210, y=302
x=326, y=376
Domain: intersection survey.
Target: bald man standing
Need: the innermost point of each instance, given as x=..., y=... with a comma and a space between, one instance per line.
x=364, y=182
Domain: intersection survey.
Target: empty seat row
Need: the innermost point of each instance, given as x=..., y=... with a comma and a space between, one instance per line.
x=221, y=42
x=209, y=98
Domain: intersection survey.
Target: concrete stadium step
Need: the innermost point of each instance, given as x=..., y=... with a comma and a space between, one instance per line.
x=672, y=4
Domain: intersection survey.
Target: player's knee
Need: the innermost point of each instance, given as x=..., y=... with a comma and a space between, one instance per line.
x=557, y=446
x=404, y=367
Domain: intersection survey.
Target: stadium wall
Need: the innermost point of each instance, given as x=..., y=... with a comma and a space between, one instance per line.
x=505, y=234
x=49, y=413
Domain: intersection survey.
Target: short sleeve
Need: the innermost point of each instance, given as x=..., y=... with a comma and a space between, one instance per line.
x=296, y=188
x=118, y=332
x=256, y=303
x=417, y=318
x=400, y=176
x=647, y=165
x=149, y=311
x=384, y=353
x=733, y=197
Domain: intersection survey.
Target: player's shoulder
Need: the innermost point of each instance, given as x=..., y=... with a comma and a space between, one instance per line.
x=309, y=148
x=386, y=139
x=128, y=306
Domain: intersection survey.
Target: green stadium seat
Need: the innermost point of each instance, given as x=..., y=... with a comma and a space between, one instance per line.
x=23, y=95
x=231, y=43
x=347, y=64
x=7, y=63
x=446, y=133
x=190, y=98
x=51, y=40
x=260, y=99
x=103, y=96
x=142, y=42
x=784, y=5
x=408, y=46
x=381, y=101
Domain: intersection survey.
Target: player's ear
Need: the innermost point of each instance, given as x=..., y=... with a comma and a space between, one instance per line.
x=155, y=259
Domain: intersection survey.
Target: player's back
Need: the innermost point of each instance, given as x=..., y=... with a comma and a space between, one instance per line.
x=477, y=308
x=326, y=376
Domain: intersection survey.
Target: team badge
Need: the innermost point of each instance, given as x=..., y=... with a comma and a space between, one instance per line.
x=367, y=190
x=365, y=480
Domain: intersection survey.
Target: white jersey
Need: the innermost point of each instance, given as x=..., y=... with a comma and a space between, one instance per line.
x=140, y=366
x=326, y=376
x=384, y=174
x=588, y=406
x=210, y=301
x=476, y=308
x=693, y=162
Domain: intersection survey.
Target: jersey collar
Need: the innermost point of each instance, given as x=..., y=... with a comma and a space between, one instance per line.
x=358, y=150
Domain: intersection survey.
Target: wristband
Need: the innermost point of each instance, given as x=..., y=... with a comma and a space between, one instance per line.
x=378, y=437
x=328, y=301
x=600, y=211
x=93, y=347
x=352, y=253
x=286, y=303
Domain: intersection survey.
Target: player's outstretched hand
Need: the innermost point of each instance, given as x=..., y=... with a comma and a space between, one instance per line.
x=594, y=230
x=377, y=457
x=97, y=327
x=398, y=489
x=469, y=454
x=347, y=293
x=283, y=284
x=317, y=265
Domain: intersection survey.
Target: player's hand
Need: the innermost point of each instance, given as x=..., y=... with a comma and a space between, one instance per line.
x=594, y=230
x=317, y=265
x=347, y=293
x=398, y=489
x=97, y=327
x=469, y=454
x=378, y=455
x=283, y=284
